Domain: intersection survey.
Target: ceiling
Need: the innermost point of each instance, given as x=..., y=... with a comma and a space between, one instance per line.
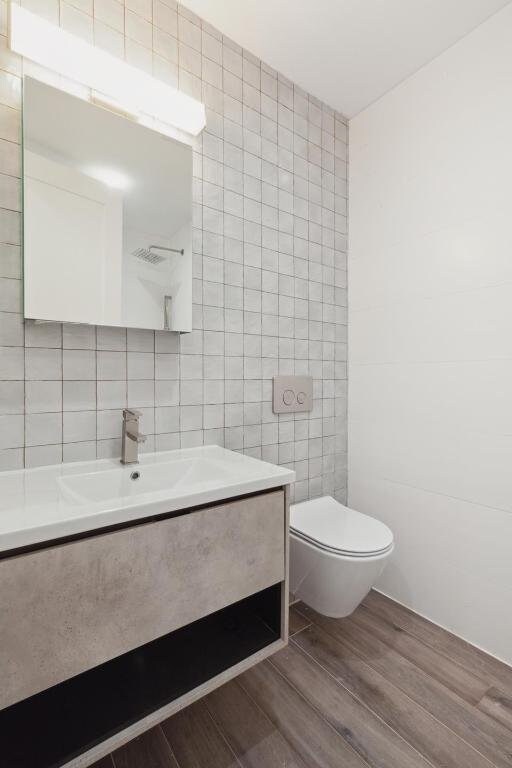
x=346, y=52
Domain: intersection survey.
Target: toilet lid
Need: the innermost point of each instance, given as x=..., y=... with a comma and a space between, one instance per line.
x=333, y=526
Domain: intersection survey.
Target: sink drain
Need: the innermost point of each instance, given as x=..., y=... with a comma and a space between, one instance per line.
x=134, y=475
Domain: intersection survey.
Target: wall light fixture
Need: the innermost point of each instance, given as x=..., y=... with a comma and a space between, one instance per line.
x=131, y=88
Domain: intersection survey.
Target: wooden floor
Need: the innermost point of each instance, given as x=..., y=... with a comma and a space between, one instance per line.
x=383, y=688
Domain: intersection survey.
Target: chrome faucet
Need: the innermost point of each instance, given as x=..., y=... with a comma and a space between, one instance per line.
x=131, y=437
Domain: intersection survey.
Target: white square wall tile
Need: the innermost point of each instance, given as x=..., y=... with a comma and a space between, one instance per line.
x=167, y=419
x=42, y=455
x=191, y=417
x=113, y=339
x=82, y=451
x=111, y=394
x=167, y=392
x=43, y=428
x=79, y=426
x=79, y=395
x=12, y=397
x=11, y=431
x=141, y=393
x=111, y=13
x=111, y=365
x=79, y=364
x=141, y=365
x=43, y=364
x=43, y=396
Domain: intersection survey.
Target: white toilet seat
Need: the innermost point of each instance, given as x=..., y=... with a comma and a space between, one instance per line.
x=332, y=527
x=340, y=552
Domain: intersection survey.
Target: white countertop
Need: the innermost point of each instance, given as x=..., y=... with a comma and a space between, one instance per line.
x=47, y=503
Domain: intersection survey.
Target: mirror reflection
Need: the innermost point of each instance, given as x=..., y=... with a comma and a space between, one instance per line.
x=107, y=216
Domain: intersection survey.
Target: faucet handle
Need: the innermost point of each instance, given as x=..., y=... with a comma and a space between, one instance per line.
x=131, y=413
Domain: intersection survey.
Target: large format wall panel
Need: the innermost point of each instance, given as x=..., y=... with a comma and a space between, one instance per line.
x=430, y=339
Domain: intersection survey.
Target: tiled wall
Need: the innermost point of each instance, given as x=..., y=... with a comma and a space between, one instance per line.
x=270, y=199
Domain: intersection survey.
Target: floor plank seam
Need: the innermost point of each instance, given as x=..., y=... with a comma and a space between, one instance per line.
x=320, y=714
x=267, y=717
x=298, y=631
x=171, y=750
x=297, y=608
x=369, y=709
x=223, y=736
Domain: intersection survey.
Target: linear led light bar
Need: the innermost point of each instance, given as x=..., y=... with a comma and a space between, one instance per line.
x=68, y=55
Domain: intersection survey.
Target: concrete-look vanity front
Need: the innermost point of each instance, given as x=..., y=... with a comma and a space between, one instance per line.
x=141, y=603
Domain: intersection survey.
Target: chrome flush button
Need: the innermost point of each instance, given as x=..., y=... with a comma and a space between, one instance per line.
x=288, y=396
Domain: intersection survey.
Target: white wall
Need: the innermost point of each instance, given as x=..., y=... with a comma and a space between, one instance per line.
x=430, y=333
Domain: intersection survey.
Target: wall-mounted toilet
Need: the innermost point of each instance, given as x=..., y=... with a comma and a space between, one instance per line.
x=336, y=555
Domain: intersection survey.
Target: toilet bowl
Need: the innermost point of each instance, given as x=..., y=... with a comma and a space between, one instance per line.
x=336, y=555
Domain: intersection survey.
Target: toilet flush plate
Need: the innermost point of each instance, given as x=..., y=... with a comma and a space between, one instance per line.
x=292, y=394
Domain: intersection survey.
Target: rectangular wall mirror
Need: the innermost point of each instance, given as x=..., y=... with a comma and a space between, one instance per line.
x=107, y=216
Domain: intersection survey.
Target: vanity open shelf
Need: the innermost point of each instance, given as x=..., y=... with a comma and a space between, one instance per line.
x=139, y=687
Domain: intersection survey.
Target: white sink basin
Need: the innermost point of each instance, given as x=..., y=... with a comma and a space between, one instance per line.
x=138, y=479
x=48, y=503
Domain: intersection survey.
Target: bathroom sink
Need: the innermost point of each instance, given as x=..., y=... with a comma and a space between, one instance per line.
x=136, y=480
x=47, y=503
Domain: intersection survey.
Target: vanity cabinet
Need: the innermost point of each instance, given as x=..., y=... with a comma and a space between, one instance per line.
x=160, y=611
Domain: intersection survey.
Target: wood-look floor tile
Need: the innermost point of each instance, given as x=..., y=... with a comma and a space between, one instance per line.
x=150, y=750
x=367, y=734
x=497, y=705
x=439, y=667
x=486, y=667
x=251, y=735
x=302, y=726
x=384, y=688
x=487, y=736
x=427, y=735
x=196, y=741
x=297, y=622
